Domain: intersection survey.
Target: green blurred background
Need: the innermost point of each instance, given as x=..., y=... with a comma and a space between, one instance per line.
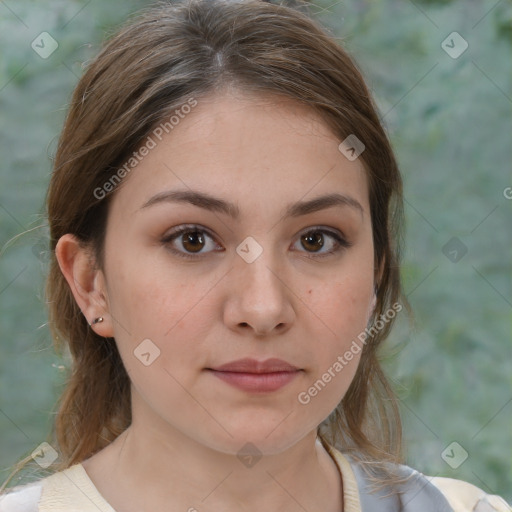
x=450, y=122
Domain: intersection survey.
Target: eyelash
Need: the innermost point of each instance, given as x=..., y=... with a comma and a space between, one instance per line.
x=341, y=243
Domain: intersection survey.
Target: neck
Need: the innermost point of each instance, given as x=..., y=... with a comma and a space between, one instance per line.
x=178, y=473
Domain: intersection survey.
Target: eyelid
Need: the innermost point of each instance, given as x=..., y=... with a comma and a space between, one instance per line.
x=185, y=227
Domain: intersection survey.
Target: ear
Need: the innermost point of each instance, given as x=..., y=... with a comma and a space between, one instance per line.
x=379, y=271
x=377, y=279
x=87, y=283
x=371, y=307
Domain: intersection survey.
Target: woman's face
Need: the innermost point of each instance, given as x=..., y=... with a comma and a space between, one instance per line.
x=260, y=273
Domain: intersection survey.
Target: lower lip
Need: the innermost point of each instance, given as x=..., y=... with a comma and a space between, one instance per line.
x=257, y=382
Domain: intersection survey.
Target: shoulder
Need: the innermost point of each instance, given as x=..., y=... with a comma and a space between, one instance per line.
x=67, y=490
x=464, y=496
x=24, y=498
x=413, y=491
x=55, y=492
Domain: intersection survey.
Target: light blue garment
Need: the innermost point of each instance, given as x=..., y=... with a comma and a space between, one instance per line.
x=417, y=494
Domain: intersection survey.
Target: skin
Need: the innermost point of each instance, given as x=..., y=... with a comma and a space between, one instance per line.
x=262, y=153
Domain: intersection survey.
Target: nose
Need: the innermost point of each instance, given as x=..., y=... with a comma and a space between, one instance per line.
x=259, y=298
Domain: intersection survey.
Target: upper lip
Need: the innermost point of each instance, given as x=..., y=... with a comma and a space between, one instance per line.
x=248, y=365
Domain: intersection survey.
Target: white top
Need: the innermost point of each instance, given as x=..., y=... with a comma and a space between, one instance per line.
x=72, y=490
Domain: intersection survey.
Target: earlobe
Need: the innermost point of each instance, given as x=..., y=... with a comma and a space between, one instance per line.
x=371, y=307
x=379, y=272
x=85, y=281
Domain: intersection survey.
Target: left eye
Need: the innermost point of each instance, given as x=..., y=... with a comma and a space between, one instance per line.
x=315, y=238
x=192, y=240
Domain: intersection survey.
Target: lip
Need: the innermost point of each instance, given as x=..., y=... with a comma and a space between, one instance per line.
x=248, y=365
x=256, y=376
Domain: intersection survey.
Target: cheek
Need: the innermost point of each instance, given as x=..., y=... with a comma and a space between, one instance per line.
x=337, y=321
x=341, y=308
x=168, y=308
x=150, y=298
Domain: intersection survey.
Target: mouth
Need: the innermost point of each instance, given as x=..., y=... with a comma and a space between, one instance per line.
x=255, y=376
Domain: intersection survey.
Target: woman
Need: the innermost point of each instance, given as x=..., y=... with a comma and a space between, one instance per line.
x=225, y=215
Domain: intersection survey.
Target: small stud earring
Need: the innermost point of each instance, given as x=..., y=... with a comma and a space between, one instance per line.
x=96, y=321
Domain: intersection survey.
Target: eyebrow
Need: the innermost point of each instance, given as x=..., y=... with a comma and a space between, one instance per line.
x=214, y=204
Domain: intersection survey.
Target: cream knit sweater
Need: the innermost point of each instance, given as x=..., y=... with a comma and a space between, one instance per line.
x=72, y=490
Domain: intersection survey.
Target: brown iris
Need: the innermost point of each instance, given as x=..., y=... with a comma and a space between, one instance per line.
x=315, y=237
x=191, y=238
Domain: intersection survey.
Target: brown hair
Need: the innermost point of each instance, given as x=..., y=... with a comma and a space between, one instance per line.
x=169, y=53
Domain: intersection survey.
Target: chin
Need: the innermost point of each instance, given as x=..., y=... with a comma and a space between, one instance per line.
x=261, y=438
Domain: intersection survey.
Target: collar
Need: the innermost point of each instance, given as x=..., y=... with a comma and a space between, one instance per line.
x=414, y=493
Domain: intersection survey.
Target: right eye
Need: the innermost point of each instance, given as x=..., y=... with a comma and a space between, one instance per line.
x=190, y=238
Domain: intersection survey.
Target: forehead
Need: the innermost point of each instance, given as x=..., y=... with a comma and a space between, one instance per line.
x=259, y=150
